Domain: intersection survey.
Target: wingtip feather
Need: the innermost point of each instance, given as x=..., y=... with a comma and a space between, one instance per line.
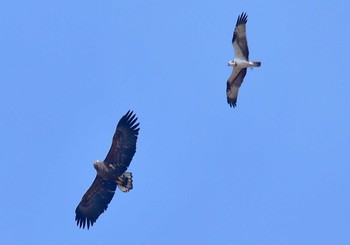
x=232, y=103
x=242, y=19
x=130, y=120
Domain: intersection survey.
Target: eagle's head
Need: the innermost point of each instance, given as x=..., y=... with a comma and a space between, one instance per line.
x=97, y=165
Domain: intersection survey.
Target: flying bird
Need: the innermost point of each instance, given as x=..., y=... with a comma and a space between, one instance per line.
x=110, y=173
x=240, y=61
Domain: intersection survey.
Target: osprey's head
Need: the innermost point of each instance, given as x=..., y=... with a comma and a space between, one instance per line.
x=232, y=63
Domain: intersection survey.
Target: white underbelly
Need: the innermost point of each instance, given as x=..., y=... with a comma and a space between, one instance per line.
x=242, y=63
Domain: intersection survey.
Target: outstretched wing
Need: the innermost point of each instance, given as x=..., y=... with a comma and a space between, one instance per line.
x=233, y=84
x=94, y=202
x=239, y=39
x=123, y=146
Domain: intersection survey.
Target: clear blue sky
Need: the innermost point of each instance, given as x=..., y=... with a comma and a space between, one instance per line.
x=275, y=170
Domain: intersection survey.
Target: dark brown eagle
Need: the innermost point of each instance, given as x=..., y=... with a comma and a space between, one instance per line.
x=110, y=173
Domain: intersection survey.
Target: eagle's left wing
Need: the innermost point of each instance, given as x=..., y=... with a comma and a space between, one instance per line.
x=233, y=84
x=123, y=146
x=239, y=39
x=94, y=202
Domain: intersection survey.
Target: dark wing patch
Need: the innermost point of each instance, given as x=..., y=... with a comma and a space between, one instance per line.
x=94, y=202
x=231, y=100
x=233, y=84
x=123, y=146
x=239, y=39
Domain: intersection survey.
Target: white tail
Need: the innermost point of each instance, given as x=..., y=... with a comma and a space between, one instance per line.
x=124, y=182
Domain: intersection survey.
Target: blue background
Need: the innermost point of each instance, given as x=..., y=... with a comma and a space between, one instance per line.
x=274, y=170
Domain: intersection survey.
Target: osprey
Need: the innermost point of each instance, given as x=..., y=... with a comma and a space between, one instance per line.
x=110, y=173
x=240, y=62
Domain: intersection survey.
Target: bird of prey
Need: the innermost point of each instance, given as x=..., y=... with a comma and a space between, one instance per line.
x=110, y=173
x=240, y=61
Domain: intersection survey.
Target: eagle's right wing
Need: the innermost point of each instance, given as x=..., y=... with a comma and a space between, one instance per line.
x=123, y=146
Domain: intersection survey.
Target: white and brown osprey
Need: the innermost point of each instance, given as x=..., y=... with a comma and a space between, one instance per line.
x=240, y=62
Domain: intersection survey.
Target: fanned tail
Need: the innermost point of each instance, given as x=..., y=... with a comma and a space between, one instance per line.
x=124, y=182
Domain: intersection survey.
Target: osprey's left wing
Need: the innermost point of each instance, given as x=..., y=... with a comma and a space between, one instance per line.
x=233, y=84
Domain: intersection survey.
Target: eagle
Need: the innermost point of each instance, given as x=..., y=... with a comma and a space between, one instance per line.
x=240, y=61
x=110, y=173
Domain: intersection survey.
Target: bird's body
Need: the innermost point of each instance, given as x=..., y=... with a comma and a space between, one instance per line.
x=241, y=62
x=110, y=173
x=106, y=171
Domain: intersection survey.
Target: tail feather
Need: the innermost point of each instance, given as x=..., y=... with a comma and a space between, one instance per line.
x=256, y=63
x=124, y=182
